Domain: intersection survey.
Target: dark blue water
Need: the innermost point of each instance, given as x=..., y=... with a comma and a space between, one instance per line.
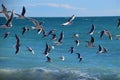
x=34, y=67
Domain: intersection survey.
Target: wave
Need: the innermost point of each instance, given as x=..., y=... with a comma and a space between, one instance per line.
x=47, y=74
x=41, y=74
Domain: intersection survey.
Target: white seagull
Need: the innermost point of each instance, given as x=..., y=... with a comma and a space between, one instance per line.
x=69, y=21
x=92, y=30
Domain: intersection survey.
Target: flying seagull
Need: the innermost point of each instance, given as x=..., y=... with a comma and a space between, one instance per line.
x=62, y=58
x=24, y=29
x=75, y=35
x=22, y=13
x=102, y=49
x=92, y=30
x=79, y=57
x=71, y=50
x=77, y=42
x=47, y=49
x=30, y=49
x=51, y=32
x=6, y=35
x=17, y=44
x=7, y=24
x=4, y=10
x=90, y=43
x=61, y=38
x=69, y=21
x=106, y=32
x=37, y=26
x=53, y=37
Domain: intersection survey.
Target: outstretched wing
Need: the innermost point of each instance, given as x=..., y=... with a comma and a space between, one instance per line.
x=23, y=11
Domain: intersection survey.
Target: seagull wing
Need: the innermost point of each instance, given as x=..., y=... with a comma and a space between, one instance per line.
x=100, y=48
x=78, y=55
x=48, y=59
x=118, y=23
x=23, y=30
x=5, y=12
x=10, y=19
x=101, y=33
x=23, y=11
x=17, y=44
x=108, y=34
x=92, y=39
x=61, y=37
x=92, y=30
x=71, y=18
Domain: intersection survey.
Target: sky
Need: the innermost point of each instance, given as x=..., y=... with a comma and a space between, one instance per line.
x=64, y=8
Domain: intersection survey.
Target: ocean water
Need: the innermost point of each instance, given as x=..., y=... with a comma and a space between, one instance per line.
x=26, y=66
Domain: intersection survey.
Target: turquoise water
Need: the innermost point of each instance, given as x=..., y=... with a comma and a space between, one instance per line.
x=34, y=67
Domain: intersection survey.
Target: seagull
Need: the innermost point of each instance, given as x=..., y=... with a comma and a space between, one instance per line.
x=69, y=21
x=4, y=10
x=79, y=57
x=71, y=50
x=61, y=38
x=92, y=30
x=22, y=13
x=53, y=37
x=75, y=35
x=17, y=44
x=7, y=24
x=31, y=50
x=62, y=58
x=102, y=50
x=48, y=59
x=47, y=50
x=37, y=26
x=6, y=35
x=107, y=33
x=99, y=49
x=118, y=23
x=90, y=43
x=24, y=29
x=39, y=30
x=51, y=32
x=77, y=42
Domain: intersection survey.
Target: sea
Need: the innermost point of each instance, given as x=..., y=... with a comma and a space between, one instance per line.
x=28, y=66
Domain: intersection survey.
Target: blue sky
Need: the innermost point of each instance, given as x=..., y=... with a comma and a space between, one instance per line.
x=63, y=8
